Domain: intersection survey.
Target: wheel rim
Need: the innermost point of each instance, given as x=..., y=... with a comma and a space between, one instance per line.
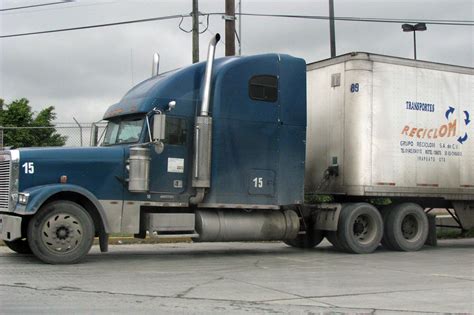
x=410, y=227
x=62, y=233
x=364, y=229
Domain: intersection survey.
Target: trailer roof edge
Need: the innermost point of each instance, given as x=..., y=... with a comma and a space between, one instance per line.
x=391, y=60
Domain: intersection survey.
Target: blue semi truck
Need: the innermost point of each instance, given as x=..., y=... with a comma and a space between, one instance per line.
x=225, y=151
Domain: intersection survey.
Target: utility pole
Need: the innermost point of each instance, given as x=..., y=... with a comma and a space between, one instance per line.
x=240, y=27
x=229, y=18
x=195, y=15
x=332, y=33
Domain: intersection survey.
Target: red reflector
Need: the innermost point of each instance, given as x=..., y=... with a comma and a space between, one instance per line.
x=427, y=185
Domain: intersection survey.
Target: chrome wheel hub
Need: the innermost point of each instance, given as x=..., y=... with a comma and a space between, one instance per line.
x=61, y=233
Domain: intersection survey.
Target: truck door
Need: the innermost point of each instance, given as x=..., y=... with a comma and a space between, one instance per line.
x=168, y=169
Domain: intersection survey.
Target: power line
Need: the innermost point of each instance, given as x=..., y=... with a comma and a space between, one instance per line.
x=357, y=19
x=310, y=17
x=160, y=18
x=72, y=5
x=36, y=5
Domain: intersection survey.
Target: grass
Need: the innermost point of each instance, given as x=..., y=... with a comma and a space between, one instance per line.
x=447, y=233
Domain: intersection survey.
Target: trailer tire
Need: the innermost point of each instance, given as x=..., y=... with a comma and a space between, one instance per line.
x=19, y=246
x=360, y=228
x=309, y=240
x=62, y=232
x=385, y=211
x=406, y=227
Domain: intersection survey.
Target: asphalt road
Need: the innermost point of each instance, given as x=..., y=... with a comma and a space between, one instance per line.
x=242, y=278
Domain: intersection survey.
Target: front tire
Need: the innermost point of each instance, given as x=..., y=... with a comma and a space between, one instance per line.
x=20, y=246
x=61, y=232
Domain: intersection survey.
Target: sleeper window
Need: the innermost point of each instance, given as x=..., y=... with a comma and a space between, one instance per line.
x=264, y=88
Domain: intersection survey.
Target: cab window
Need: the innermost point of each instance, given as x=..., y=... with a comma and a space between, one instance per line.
x=175, y=131
x=264, y=88
x=123, y=131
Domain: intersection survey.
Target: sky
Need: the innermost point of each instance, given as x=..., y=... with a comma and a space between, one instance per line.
x=83, y=72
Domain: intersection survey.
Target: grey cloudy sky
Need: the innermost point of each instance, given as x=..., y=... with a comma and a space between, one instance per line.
x=82, y=72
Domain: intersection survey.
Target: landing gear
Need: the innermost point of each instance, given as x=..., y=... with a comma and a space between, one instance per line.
x=61, y=232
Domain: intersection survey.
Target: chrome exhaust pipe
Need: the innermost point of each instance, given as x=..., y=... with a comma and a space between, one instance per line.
x=208, y=75
x=203, y=133
x=155, y=70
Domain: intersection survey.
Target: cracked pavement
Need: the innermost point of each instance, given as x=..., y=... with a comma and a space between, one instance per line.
x=242, y=278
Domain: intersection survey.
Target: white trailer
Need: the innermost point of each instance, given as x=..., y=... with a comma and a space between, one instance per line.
x=381, y=126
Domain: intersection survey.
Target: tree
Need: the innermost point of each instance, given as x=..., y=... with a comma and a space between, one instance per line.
x=19, y=114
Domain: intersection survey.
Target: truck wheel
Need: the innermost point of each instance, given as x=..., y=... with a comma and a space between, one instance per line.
x=360, y=228
x=61, y=232
x=309, y=240
x=385, y=211
x=406, y=227
x=20, y=246
x=333, y=239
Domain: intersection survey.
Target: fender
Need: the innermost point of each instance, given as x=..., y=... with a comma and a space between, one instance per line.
x=39, y=194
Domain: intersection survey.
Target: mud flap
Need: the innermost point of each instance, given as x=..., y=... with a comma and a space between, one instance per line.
x=326, y=216
x=104, y=242
x=432, y=239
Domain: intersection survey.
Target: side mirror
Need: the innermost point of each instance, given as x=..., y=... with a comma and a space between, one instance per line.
x=94, y=140
x=159, y=122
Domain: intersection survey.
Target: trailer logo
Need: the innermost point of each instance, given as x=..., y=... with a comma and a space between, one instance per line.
x=424, y=107
x=443, y=131
x=447, y=130
x=450, y=111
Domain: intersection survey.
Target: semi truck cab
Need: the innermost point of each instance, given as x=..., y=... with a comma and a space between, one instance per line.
x=212, y=151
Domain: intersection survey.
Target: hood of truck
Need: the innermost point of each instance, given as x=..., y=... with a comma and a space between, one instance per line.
x=97, y=169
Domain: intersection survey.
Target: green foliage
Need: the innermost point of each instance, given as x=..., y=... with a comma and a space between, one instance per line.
x=446, y=233
x=380, y=201
x=315, y=199
x=19, y=114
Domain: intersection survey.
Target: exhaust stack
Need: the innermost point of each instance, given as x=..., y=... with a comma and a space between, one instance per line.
x=208, y=75
x=155, y=70
x=203, y=133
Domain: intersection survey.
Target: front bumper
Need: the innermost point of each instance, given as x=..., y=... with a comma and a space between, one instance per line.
x=10, y=227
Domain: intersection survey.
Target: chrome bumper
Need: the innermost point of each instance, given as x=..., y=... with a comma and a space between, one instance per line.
x=10, y=227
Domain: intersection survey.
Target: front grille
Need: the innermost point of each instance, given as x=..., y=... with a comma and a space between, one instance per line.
x=5, y=171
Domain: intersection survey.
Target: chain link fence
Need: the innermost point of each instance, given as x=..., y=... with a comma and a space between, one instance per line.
x=76, y=134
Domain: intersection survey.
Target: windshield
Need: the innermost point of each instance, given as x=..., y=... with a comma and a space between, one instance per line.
x=123, y=131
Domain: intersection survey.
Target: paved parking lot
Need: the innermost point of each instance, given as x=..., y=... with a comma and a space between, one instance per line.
x=242, y=278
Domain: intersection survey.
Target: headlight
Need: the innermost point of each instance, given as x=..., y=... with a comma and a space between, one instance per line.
x=23, y=198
